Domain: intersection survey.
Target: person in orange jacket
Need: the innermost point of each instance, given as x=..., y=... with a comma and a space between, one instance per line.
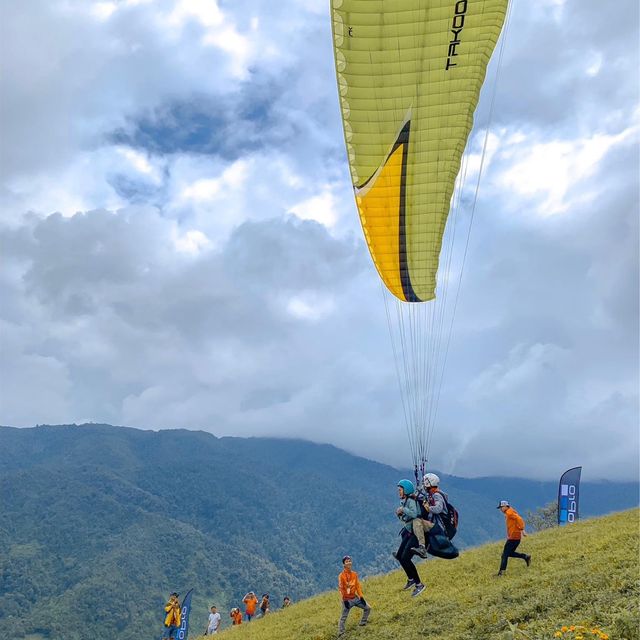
x=250, y=603
x=236, y=616
x=351, y=594
x=515, y=531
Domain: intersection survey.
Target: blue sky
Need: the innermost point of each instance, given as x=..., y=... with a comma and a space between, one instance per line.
x=181, y=246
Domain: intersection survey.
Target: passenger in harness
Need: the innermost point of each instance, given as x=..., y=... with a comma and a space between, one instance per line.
x=433, y=509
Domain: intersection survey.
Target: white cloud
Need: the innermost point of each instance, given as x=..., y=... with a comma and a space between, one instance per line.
x=191, y=242
x=310, y=306
x=28, y=376
x=140, y=162
x=321, y=208
x=218, y=31
x=521, y=371
x=595, y=64
x=205, y=189
x=217, y=278
x=550, y=170
x=206, y=12
x=104, y=10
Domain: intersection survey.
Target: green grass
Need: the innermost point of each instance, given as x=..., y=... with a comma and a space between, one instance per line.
x=586, y=573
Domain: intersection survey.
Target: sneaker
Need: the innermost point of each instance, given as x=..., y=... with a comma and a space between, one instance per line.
x=410, y=583
x=418, y=590
x=420, y=551
x=528, y=560
x=500, y=574
x=362, y=624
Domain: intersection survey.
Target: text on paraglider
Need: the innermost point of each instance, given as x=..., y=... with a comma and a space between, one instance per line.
x=457, y=25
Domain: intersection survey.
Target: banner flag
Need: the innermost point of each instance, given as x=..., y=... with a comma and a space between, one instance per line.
x=569, y=496
x=183, y=631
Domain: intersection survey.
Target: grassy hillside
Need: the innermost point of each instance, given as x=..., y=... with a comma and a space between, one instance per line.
x=94, y=515
x=585, y=574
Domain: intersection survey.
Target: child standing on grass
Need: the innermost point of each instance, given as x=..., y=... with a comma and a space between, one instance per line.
x=236, y=616
x=351, y=594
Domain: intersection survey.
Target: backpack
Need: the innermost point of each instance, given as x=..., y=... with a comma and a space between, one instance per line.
x=449, y=519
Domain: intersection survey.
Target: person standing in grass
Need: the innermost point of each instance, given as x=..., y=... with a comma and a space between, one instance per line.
x=351, y=594
x=515, y=531
x=214, y=621
x=286, y=602
x=172, y=618
x=264, y=605
x=236, y=616
x=250, y=602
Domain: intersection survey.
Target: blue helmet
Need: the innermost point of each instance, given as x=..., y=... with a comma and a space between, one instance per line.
x=408, y=487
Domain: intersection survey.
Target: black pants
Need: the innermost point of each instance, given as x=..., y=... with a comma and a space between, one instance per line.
x=509, y=551
x=404, y=555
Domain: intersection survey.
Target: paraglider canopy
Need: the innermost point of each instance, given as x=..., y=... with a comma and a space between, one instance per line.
x=409, y=75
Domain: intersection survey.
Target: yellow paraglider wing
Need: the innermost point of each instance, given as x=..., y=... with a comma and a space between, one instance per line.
x=409, y=77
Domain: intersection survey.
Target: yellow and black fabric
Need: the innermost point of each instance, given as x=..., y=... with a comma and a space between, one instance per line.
x=409, y=76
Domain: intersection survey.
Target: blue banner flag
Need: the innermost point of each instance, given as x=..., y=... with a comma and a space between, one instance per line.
x=569, y=496
x=183, y=631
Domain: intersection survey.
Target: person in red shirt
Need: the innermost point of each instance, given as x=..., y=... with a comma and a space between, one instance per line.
x=515, y=531
x=351, y=594
x=236, y=616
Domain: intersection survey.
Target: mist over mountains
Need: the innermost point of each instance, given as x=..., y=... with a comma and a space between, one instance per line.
x=99, y=523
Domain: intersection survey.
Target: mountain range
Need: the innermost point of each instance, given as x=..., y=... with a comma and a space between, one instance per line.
x=99, y=523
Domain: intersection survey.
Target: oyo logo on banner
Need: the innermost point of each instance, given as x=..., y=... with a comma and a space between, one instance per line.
x=568, y=503
x=182, y=632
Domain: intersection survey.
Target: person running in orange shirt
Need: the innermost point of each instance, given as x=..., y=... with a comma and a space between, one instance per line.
x=351, y=593
x=236, y=616
x=250, y=603
x=515, y=531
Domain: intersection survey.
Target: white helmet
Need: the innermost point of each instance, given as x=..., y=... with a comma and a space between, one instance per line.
x=431, y=480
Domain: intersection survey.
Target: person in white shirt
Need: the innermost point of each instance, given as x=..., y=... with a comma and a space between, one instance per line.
x=214, y=622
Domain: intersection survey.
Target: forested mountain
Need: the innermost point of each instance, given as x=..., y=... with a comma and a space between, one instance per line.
x=99, y=523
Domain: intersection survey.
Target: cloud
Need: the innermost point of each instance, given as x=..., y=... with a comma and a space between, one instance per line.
x=181, y=247
x=552, y=169
x=319, y=208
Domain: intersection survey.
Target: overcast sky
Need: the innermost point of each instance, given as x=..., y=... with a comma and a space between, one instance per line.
x=181, y=247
